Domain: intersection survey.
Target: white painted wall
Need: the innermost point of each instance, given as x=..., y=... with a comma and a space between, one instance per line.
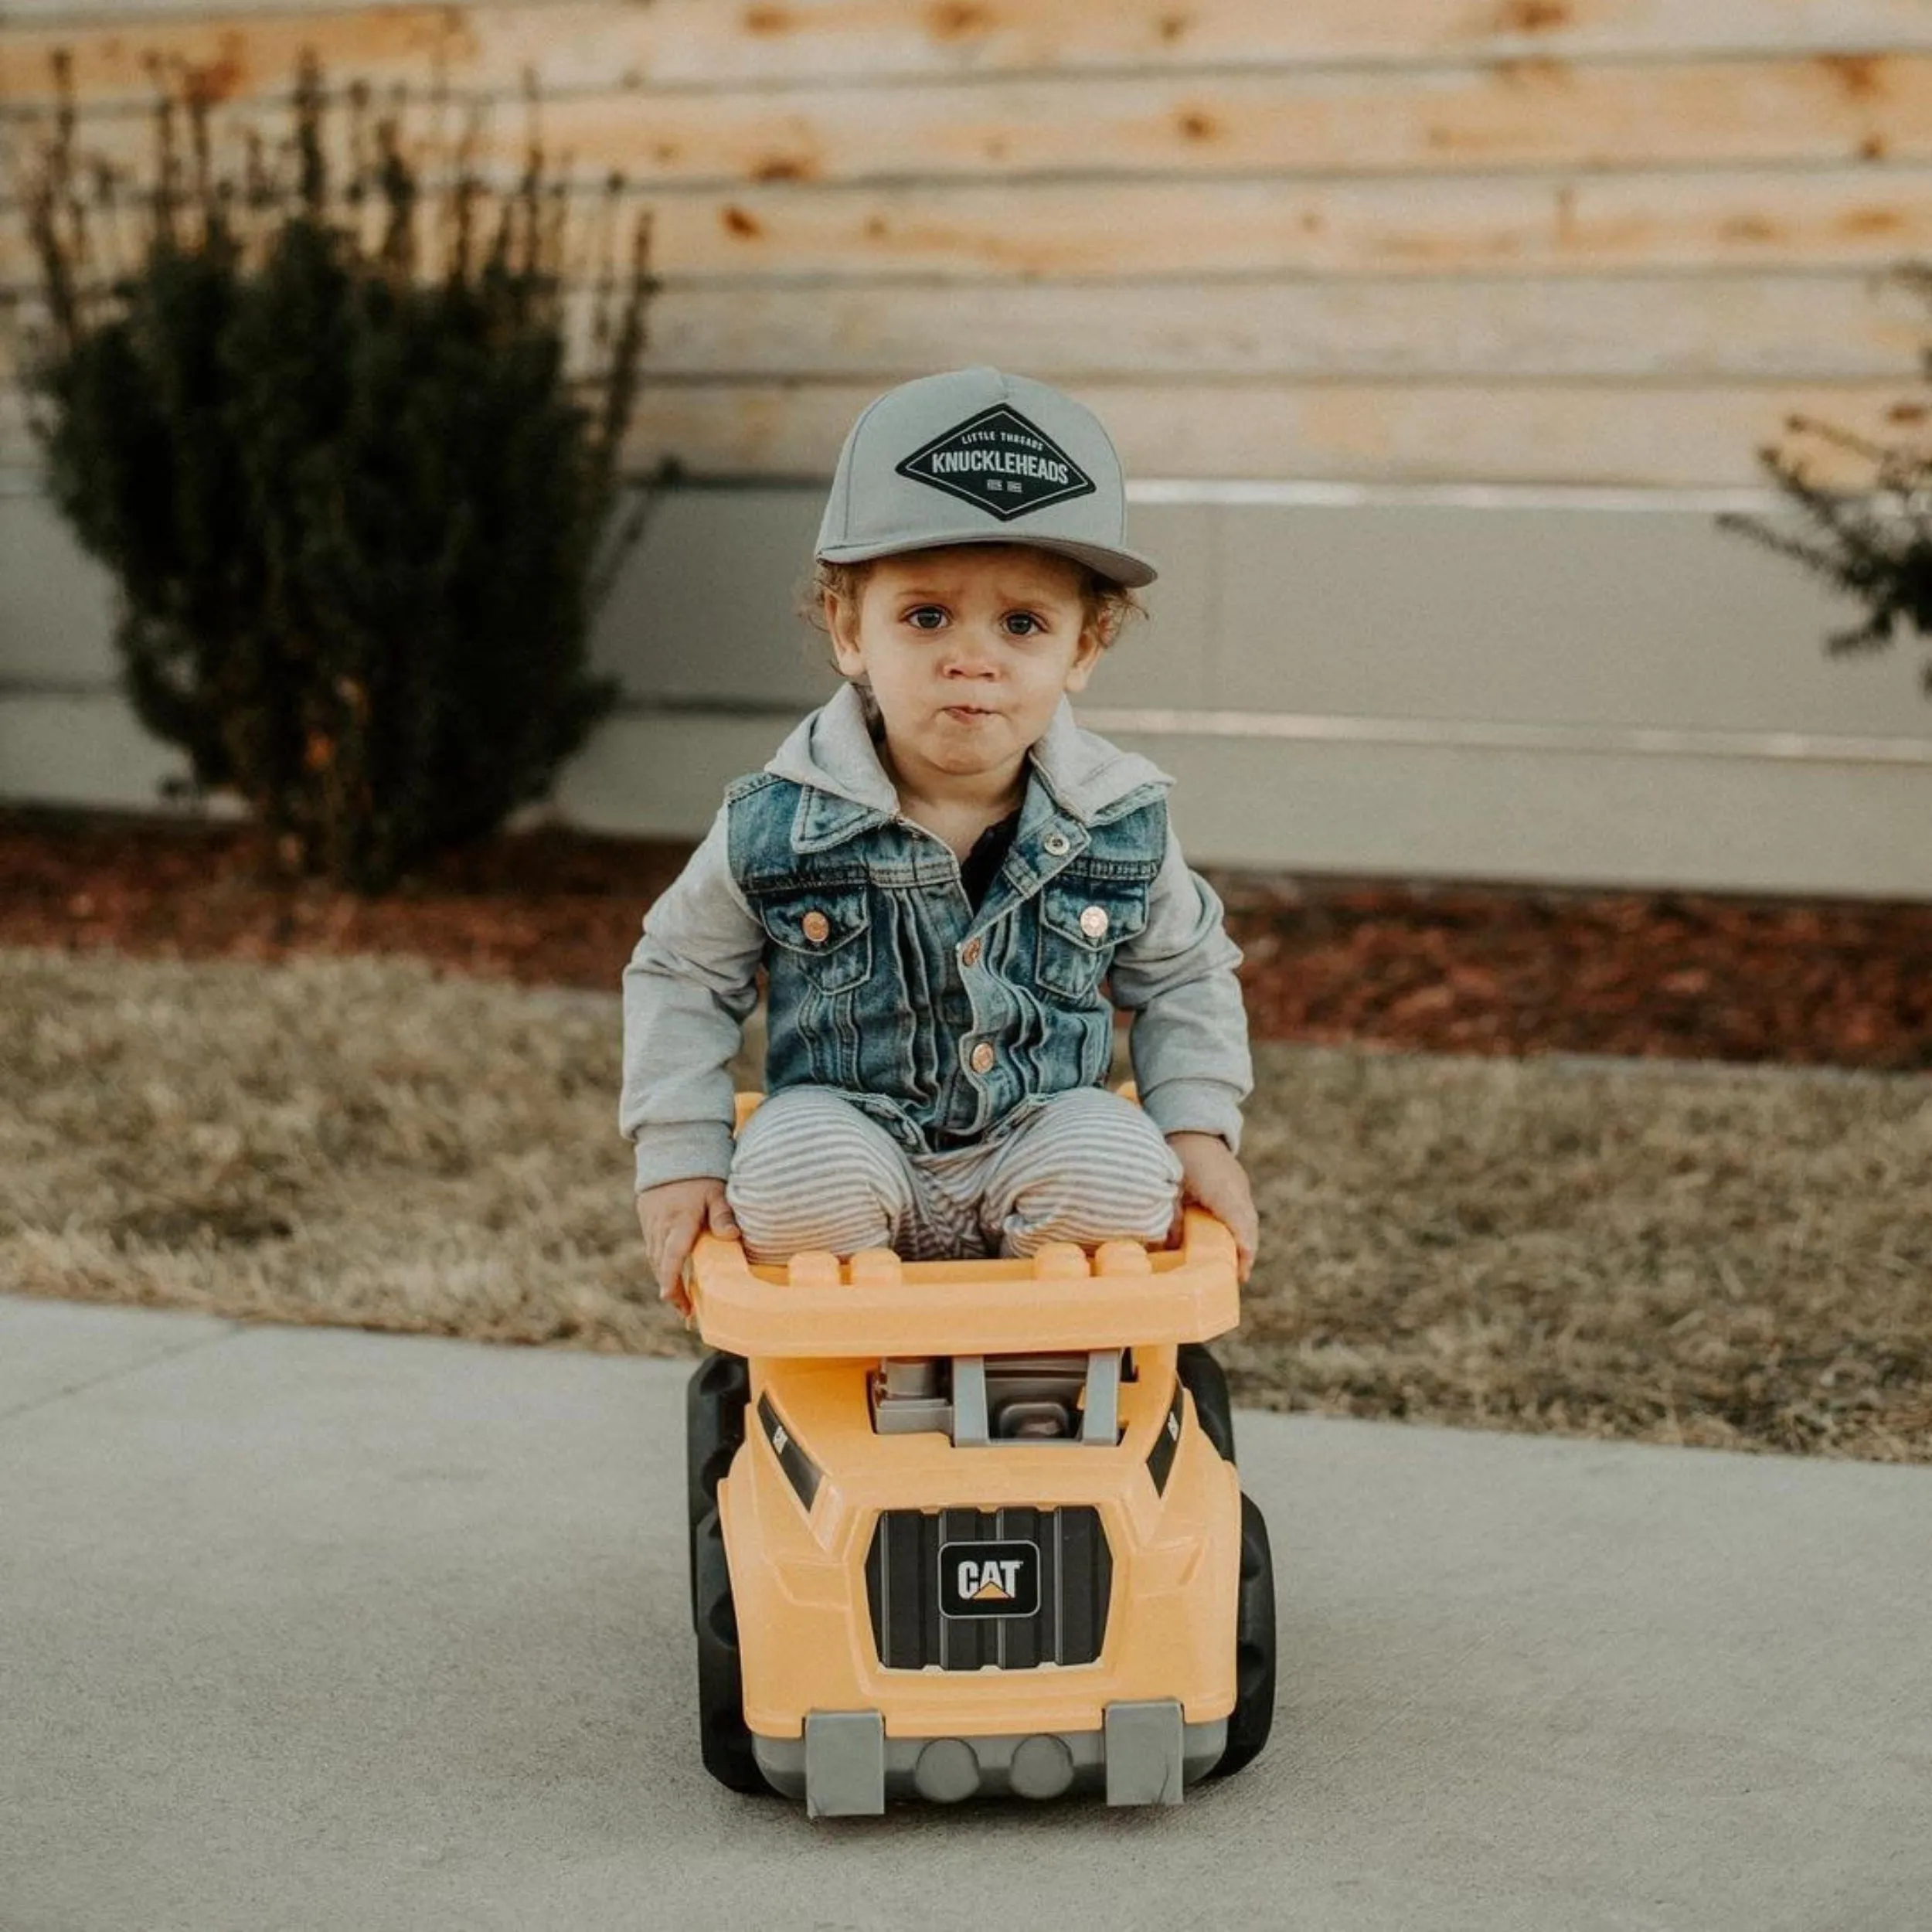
x=1575, y=688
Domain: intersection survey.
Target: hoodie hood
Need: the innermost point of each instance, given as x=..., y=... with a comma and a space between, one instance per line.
x=831, y=750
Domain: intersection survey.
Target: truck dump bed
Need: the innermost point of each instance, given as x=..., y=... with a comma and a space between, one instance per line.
x=817, y=1307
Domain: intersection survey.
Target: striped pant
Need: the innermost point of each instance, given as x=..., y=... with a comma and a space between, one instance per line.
x=810, y=1171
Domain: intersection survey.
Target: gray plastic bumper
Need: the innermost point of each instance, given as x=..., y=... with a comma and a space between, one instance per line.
x=845, y=1766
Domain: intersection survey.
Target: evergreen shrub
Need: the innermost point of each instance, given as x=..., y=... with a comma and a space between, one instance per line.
x=358, y=506
x=1874, y=543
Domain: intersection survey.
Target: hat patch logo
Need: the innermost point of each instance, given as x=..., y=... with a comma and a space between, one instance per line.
x=999, y=462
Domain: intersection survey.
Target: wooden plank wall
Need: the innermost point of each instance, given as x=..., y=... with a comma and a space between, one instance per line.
x=1542, y=241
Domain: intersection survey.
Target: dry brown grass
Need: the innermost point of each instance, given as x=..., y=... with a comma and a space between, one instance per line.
x=1731, y=1257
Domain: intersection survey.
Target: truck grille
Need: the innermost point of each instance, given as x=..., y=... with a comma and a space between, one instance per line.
x=925, y=1615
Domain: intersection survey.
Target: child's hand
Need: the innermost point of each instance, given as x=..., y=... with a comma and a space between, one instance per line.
x=672, y=1215
x=1210, y=1175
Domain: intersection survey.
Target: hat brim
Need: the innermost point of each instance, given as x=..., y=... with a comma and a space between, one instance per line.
x=1120, y=566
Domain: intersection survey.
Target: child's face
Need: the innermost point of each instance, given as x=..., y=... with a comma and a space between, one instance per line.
x=968, y=651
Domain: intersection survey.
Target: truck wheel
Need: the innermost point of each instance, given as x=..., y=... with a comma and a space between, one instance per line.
x=714, y=1426
x=1254, y=1713
x=1203, y=1379
x=723, y=1739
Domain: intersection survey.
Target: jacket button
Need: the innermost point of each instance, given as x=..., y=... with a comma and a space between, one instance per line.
x=816, y=927
x=1094, y=922
x=983, y=1058
x=969, y=953
x=1058, y=844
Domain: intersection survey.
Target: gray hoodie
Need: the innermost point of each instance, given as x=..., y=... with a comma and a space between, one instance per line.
x=1094, y=826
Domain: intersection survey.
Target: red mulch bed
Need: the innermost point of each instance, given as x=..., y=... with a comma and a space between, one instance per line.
x=1460, y=968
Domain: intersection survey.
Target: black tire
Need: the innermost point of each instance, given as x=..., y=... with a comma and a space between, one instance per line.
x=1253, y=1716
x=723, y=1739
x=1204, y=1379
x=714, y=1426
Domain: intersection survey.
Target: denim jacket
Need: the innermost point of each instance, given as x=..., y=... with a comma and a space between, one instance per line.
x=885, y=985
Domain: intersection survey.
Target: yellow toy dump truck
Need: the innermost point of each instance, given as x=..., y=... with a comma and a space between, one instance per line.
x=973, y=1526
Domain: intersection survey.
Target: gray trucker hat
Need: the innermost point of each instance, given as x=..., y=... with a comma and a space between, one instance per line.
x=975, y=456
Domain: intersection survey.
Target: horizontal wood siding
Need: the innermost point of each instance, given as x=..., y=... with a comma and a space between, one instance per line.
x=779, y=41
x=1771, y=328
x=1558, y=240
x=1783, y=110
x=1239, y=228
x=1663, y=435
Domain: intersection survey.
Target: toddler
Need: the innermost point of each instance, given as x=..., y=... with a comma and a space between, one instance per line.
x=936, y=871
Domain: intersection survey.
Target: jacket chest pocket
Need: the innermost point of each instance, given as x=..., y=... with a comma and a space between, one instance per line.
x=1081, y=922
x=825, y=931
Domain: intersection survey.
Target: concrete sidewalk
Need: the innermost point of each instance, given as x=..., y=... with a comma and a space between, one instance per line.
x=322, y=1631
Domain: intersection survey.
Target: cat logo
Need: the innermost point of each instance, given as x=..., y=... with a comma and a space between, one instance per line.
x=801, y=1471
x=987, y=1583
x=989, y=1579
